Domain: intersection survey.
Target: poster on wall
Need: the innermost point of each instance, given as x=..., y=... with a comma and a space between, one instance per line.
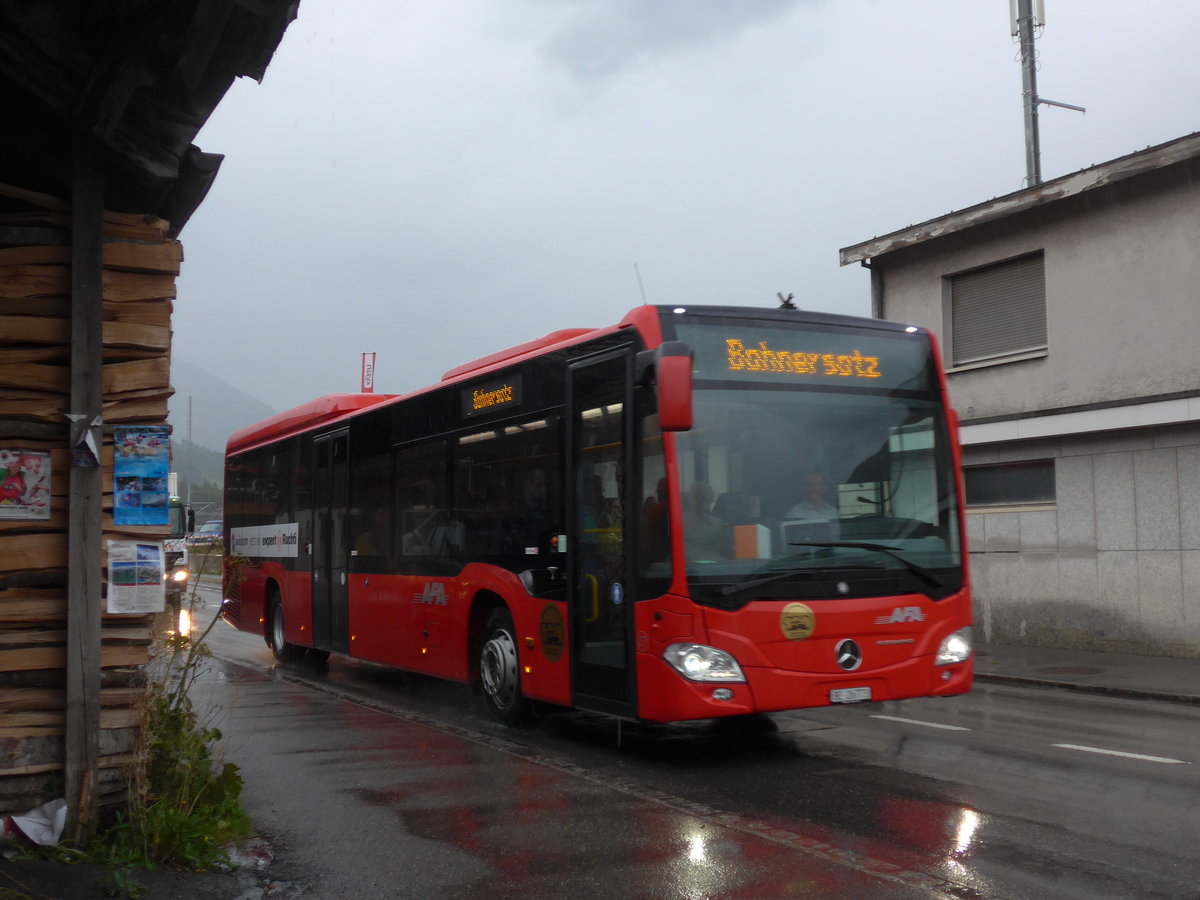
x=24, y=484
x=135, y=577
x=141, y=464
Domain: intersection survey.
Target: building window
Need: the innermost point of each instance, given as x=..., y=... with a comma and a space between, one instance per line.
x=1015, y=484
x=998, y=311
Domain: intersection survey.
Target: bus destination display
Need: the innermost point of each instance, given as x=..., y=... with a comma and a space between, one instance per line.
x=491, y=396
x=881, y=360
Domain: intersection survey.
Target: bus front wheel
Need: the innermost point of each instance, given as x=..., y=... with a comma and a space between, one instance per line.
x=499, y=670
x=284, y=652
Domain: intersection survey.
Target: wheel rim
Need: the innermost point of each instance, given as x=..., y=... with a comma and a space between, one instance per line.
x=498, y=669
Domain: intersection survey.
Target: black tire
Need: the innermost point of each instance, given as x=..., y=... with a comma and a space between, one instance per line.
x=284, y=652
x=500, y=671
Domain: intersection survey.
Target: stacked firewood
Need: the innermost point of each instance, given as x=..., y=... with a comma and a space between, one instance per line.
x=141, y=263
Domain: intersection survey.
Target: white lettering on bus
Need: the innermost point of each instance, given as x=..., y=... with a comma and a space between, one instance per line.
x=433, y=594
x=902, y=614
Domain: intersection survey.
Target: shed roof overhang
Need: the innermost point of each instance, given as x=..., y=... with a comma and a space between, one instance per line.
x=1077, y=183
x=136, y=78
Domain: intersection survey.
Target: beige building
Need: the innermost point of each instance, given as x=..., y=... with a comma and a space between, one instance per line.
x=1069, y=320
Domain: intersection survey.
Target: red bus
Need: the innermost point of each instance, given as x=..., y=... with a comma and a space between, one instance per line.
x=698, y=512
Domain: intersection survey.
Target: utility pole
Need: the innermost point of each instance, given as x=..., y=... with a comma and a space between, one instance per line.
x=1033, y=149
x=190, y=476
x=1024, y=22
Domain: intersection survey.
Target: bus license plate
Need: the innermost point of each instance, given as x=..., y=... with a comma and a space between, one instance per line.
x=849, y=695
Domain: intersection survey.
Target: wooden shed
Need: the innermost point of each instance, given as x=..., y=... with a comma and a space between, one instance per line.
x=100, y=104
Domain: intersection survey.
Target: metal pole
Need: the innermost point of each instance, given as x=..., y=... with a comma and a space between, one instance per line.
x=189, y=452
x=1033, y=150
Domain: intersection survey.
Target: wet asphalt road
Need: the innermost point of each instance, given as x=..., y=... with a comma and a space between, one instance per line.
x=374, y=783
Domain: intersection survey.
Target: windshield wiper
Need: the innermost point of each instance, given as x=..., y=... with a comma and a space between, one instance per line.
x=730, y=589
x=920, y=571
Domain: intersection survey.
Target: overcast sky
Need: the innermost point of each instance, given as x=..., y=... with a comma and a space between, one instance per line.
x=438, y=181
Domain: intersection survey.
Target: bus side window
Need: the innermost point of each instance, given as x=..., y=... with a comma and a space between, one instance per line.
x=507, y=496
x=421, y=478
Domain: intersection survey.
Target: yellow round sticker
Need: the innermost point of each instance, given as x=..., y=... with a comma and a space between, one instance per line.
x=797, y=622
x=552, y=632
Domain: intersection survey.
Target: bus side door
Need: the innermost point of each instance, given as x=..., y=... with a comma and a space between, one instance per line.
x=598, y=472
x=331, y=543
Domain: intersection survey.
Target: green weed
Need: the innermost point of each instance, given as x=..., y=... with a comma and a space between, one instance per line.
x=184, y=808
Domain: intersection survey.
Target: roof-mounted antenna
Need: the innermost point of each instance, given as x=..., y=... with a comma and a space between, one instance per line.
x=1024, y=21
x=641, y=287
x=786, y=302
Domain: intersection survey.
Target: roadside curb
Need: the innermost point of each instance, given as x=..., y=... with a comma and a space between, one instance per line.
x=1102, y=689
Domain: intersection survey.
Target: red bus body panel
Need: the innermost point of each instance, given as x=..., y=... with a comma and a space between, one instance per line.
x=784, y=673
x=392, y=621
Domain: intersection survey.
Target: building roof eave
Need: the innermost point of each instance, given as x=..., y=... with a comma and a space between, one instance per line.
x=1072, y=185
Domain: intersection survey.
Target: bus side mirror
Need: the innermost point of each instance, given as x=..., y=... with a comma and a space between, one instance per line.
x=189, y=520
x=673, y=374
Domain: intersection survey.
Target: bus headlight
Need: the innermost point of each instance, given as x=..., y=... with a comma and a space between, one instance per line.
x=955, y=649
x=696, y=662
x=179, y=575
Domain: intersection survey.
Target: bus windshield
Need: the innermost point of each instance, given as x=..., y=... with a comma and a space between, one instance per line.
x=784, y=472
x=177, y=518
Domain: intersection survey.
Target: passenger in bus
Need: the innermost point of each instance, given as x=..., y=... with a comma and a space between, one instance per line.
x=656, y=540
x=498, y=531
x=535, y=527
x=374, y=540
x=593, y=507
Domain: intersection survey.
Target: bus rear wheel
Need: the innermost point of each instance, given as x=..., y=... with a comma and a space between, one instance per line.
x=284, y=652
x=499, y=670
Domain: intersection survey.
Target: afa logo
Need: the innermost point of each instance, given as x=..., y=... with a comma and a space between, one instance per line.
x=433, y=594
x=902, y=614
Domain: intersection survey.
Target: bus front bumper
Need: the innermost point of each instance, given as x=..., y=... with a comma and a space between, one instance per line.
x=666, y=696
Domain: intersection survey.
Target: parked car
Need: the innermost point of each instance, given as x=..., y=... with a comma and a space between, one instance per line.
x=207, y=535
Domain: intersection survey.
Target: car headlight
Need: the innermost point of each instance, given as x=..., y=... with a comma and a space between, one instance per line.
x=955, y=648
x=696, y=662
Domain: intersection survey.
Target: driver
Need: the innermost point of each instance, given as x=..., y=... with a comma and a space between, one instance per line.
x=815, y=508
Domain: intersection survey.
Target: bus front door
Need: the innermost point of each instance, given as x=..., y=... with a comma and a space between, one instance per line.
x=598, y=469
x=331, y=545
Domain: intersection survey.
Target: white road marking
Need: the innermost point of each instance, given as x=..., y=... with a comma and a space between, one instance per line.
x=919, y=722
x=1121, y=753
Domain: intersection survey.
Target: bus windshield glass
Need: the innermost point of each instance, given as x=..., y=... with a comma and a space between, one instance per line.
x=816, y=452
x=177, y=518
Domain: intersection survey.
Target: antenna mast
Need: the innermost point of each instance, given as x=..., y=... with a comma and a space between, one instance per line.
x=1033, y=149
x=1024, y=22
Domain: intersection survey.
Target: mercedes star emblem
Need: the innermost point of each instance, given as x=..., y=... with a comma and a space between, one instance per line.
x=849, y=655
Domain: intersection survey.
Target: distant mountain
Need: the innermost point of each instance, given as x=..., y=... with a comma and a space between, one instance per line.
x=217, y=408
x=201, y=477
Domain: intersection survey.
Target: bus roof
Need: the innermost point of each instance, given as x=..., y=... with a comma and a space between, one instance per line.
x=493, y=359
x=323, y=409
x=645, y=318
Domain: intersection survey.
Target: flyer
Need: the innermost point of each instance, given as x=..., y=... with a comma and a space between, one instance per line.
x=24, y=484
x=141, y=466
x=135, y=577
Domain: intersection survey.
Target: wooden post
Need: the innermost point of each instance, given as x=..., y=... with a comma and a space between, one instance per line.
x=82, y=733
